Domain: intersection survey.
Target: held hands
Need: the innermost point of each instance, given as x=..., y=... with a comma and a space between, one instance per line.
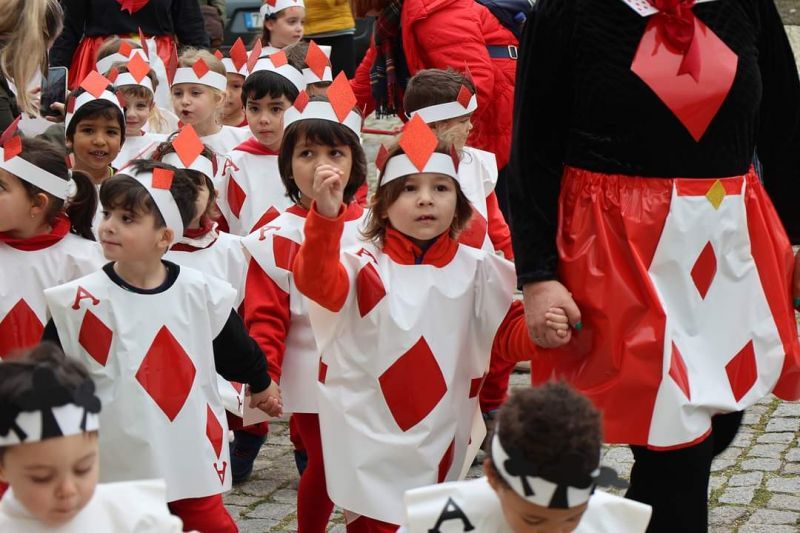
x=328, y=190
x=549, y=313
x=268, y=400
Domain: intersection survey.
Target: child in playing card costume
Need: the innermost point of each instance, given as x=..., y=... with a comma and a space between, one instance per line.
x=541, y=475
x=320, y=134
x=146, y=329
x=251, y=192
x=49, y=455
x=283, y=24
x=45, y=238
x=635, y=208
x=315, y=63
x=405, y=325
x=235, y=72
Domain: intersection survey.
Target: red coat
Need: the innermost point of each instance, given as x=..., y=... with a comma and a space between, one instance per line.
x=455, y=33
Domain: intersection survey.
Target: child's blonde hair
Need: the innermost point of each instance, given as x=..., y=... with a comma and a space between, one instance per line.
x=190, y=56
x=27, y=28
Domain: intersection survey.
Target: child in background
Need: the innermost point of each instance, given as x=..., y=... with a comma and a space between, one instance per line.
x=446, y=100
x=236, y=72
x=251, y=193
x=540, y=476
x=283, y=24
x=410, y=309
x=198, y=94
x=135, y=81
x=49, y=455
x=314, y=61
x=44, y=241
x=146, y=329
x=275, y=311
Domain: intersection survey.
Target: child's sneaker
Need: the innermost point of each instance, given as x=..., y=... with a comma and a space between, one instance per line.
x=244, y=450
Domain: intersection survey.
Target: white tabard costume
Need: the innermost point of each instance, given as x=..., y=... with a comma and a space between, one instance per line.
x=477, y=176
x=473, y=506
x=150, y=356
x=273, y=247
x=127, y=507
x=139, y=147
x=401, y=366
x=226, y=139
x=251, y=192
x=23, y=309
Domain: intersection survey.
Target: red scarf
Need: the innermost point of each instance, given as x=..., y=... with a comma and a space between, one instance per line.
x=61, y=227
x=252, y=146
x=675, y=20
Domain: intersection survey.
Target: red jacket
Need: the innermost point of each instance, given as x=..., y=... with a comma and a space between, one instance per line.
x=455, y=33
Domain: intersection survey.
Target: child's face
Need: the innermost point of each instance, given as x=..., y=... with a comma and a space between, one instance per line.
x=318, y=89
x=425, y=208
x=55, y=478
x=287, y=28
x=96, y=143
x=128, y=236
x=454, y=130
x=136, y=114
x=194, y=103
x=265, y=119
x=200, y=205
x=15, y=205
x=307, y=156
x=233, y=94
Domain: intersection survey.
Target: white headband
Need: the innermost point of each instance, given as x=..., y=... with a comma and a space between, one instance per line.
x=400, y=165
x=201, y=163
x=230, y=68
x=523, y=480
x=446, y=111
x=85, y=98
x=126, y=78
x=323, y=111
x=327, y=74
x=266, y=10
x=158, y=185
x=294, y=76
x=105, y=64
x=210, y=78
x=25, y=170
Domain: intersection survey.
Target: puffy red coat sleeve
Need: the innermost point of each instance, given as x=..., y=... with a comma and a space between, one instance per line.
x=512, y=340
x=267, y=316
x=360, y=82
x=498, y=230
x=317, y=272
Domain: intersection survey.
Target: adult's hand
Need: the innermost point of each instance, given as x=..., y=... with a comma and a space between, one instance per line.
x=539, y=298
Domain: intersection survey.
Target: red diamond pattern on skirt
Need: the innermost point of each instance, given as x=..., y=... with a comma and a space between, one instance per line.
x=446, y=462
x=20, y=328
x=323, y=372
x=704, y=269
x=742, y=372
x=95, y=337
x=475, y=386
x=213, y=431
x=369, y=289
x=167, y=373
x=284, y=250
x=236, y=197
x=677, y=371
x=268, y=216
x=409, y=405
x=475, y=233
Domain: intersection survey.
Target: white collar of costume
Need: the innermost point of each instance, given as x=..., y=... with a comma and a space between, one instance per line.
x=126, y=78
x=159, y=190
x=105, y=64
x=645, y=8
x=49, y=410
x=522, y=477
x=400, y=166
x=267, y=10
x=323, y=111
x=211, y=79
x=294, y=76
x=446, y=111
x=25, y=170
x=85, y=98
x=201, y=163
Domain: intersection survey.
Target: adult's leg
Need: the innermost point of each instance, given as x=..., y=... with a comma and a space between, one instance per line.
x=314, y=507
x=206, y=514
x=343, y=53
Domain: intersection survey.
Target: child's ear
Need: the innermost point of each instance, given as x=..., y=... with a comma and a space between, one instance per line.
x=488, y=471
x=167, y=238
x=68, y=143
x=39, y=204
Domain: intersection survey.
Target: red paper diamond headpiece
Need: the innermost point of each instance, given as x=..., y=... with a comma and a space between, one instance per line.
x=10, y=131
x=464, y=96
x=162, y=178
x=316, y=59
x=219, y=55
x=188, y=145
x=381, y=158
x=200, y=68
x=12, y=147
x=238, y=54
x=279, y=59
x=418, y=142
x=143, y=43
x=125, y=49
x=138, y=68
x=301, y=101
x=253, y=57
x=95, y=83
x=341, y=96
x=113, y=74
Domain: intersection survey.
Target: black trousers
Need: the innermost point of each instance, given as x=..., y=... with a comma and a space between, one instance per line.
x=343, y=53
x=675, y=483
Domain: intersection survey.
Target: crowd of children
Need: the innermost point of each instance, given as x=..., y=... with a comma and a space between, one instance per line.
x=206, y=269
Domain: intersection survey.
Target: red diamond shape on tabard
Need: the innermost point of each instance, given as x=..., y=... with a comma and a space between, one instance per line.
x=167, y=373
x=694, y=102
x=677, y=371
x=704, y=269
x=475, y=233
x=418, y=142
x=213, y=431
x=95, y=337
x=369, y=289
x=446, y=462
x=236, y=197
x=340, y=95
x=268, y=216
x=475, y=386
x=20, y=328
x=742, y=371
x=410, y=405
x=284, y=250
x=323, y=372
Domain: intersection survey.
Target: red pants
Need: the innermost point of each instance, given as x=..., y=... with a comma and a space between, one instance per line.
x=364, y=524
x=314, y=507
x=206, y=515
x=494, y=390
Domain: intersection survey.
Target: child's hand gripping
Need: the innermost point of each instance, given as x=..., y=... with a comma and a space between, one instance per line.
x=328, y=190
x=268, y=400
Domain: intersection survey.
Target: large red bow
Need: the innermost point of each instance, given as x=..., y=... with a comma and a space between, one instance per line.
x=676, y=26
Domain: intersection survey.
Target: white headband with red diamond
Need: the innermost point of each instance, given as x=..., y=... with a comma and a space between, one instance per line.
x=11, y=161
x=200, y=74
x=97, y=88
x=188, y=152
x=158, y=183
x=272, y=7
x=339, y=108
x=279, y=64
x=465, y=103
x=236, y=62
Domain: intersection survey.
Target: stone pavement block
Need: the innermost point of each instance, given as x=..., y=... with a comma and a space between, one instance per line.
x=240, y=500
x=765, y=465
x=261, y=487
x=757, y=528
x=256, y=526
x=787, y=409
x=783, y=424
x=285, y=496
x=722, y=464
x=770, y=451
x=784, y=484
x=738, y=495
x=750, y=479
x=235, y=510
x=731, y=453
x=272, y=511
x=784, y=502
x=770, y=516
x=776, y=438
x=751, y=418
x=725, y=514
x=793, y=455
x=742, y=440
x=791, y=468
x=716, y=482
